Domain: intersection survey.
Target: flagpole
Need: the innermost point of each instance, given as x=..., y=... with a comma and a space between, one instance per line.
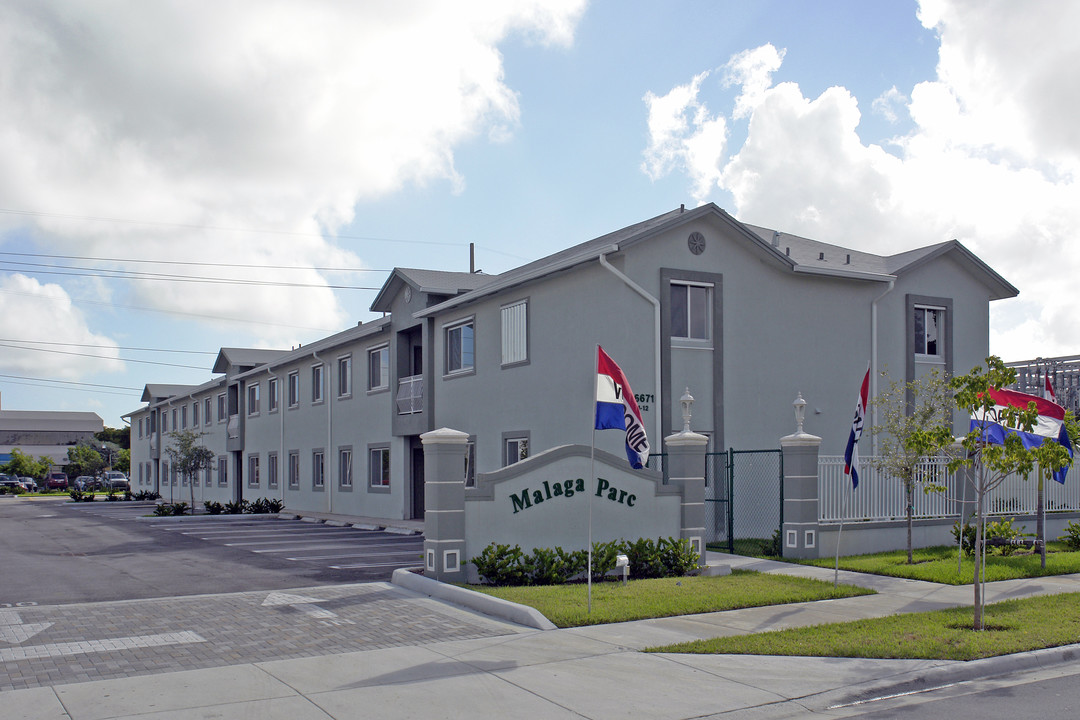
x=843, y=511
x=592, y=474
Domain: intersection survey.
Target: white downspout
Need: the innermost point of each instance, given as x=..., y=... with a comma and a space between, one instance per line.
x=874, y=363
x=658, y=443
x=329, y=434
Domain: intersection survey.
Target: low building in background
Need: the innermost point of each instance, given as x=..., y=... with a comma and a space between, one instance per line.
x=45, y=433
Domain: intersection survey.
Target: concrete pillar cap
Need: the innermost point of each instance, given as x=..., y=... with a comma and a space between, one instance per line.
x=444, y=436
x=683, y=439
x=801, y=439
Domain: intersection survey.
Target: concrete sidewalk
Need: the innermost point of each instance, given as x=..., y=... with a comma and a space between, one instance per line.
x=594, y=672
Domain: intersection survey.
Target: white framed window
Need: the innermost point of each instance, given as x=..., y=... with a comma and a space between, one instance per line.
x=294, y=388
x=195, y=414
x=222, y=409
x=253, y=399
x=345, y=467
x=929, y=327
x=222, y=471
x=140, y=427
x=515, y=332
x=379, y=368
x=253, y=471
x=517, y=449
x=183, y=417
x=318, y=469
x=175, y=426
x=344, y=370
x=317, y=383
x=379, y=467
x=272, y=395
x=460, y=347
x=208, y=404
x=294, y=469
x=164, y=422
x=690, y=310
x=140, y=468
x=272, y=471
x=208, y=473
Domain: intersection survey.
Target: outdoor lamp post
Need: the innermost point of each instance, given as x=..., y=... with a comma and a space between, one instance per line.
x=686, y=401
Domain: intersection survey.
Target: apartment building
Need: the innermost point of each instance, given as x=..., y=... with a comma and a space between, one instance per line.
x=744, y=317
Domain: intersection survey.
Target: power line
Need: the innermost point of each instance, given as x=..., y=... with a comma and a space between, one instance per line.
x=193, y=226
x=193, y=263
x=116, y=347
x=122, y=360
x=110, y=274
x=71, y=382
x=141, y=308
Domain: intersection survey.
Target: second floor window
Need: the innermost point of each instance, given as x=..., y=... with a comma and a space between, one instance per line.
x=460, y=353
x=690, y=311
x=928, y=330
x=272, y=394
x=379, y=368
x=253, y=399
x=316, y=383
x=344, y=367
x=294, y=389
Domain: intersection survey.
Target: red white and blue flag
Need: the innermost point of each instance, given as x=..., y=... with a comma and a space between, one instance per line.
x=851, y=453
x=1050, y=424
x=1048, y=391
x=616, y=409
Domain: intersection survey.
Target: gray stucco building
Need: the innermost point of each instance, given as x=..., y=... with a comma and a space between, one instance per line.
x=743, y=316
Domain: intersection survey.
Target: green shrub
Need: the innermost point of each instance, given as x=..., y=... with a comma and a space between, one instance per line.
x=996, y=529
x=162, y=509
x=1072, y=535
x=213, y=507
x=644, y=556
x=773, y=547
x=179, y=508
x=276, y=505
x=604, y=556
x=145, y=495
x=75, y=494
x=677, y=556
x=554, y=567
x=501, y=565
x=235, y=508
x=127, y=495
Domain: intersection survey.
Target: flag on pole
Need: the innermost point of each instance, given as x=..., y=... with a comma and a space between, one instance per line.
x=851, y=453
x=1049, y=425
x=616, y=409
x=1048, y=391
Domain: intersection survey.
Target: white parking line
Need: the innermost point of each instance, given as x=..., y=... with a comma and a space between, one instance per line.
x=96, y=646
x=417, y=552
x=374, y=565
x=345, y=546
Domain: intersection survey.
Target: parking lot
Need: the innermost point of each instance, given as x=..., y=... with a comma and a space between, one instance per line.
x=61, y=552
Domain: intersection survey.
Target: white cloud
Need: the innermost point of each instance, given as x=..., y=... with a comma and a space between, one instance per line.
x=991, y=160
x=887, y=103
x=270, y=115
x=752, y=71
x=30, y=311
x=683, y=134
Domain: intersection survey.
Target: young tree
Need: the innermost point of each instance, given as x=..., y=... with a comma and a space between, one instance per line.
x=83, y=460
x=22, y=465
x=905, y=412
x=989, y=464
x=188, y=456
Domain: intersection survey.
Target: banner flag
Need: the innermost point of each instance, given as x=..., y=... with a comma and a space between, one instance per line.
x=616, y=409
x=851, y=453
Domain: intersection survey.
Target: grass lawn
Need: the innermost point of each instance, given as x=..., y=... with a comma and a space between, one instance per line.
x=565, y=605
x=1012, y=626
x=938, y=564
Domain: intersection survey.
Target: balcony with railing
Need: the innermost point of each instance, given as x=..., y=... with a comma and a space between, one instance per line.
x=410, y=395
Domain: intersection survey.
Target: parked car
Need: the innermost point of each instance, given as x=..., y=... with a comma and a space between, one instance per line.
x=9, y=484
x=29, y=483
x=57, y=481
x=116, y=480
x=83, y=482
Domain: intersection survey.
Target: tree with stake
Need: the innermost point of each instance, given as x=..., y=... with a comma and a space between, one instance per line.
x=1010, y=432
x=188, y=457
x=911, y=418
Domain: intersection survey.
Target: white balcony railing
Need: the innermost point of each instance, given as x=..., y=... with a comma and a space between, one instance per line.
x=410, y=395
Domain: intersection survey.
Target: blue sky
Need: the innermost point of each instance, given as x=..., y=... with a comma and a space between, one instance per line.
x=300, y=142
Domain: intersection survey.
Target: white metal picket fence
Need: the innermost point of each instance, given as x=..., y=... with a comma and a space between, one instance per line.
x=880, y=497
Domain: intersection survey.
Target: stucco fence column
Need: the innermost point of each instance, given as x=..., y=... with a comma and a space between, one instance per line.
x=800, y=536
x=686, y=470
x=444, y=504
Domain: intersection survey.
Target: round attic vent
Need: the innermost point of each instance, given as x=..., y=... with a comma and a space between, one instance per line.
x=696, y=243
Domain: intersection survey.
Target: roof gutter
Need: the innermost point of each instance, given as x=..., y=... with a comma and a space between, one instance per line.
x=656, y=329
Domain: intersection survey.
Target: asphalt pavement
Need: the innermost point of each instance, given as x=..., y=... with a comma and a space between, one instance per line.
x=379, y=650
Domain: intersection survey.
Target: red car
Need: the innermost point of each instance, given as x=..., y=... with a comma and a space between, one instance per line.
x=57, y=481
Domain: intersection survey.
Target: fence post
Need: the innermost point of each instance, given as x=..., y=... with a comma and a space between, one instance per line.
x=444, y=504
x=800, y=527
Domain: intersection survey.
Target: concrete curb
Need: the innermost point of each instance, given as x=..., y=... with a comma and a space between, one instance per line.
x=953, y=671
x=495, y=607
